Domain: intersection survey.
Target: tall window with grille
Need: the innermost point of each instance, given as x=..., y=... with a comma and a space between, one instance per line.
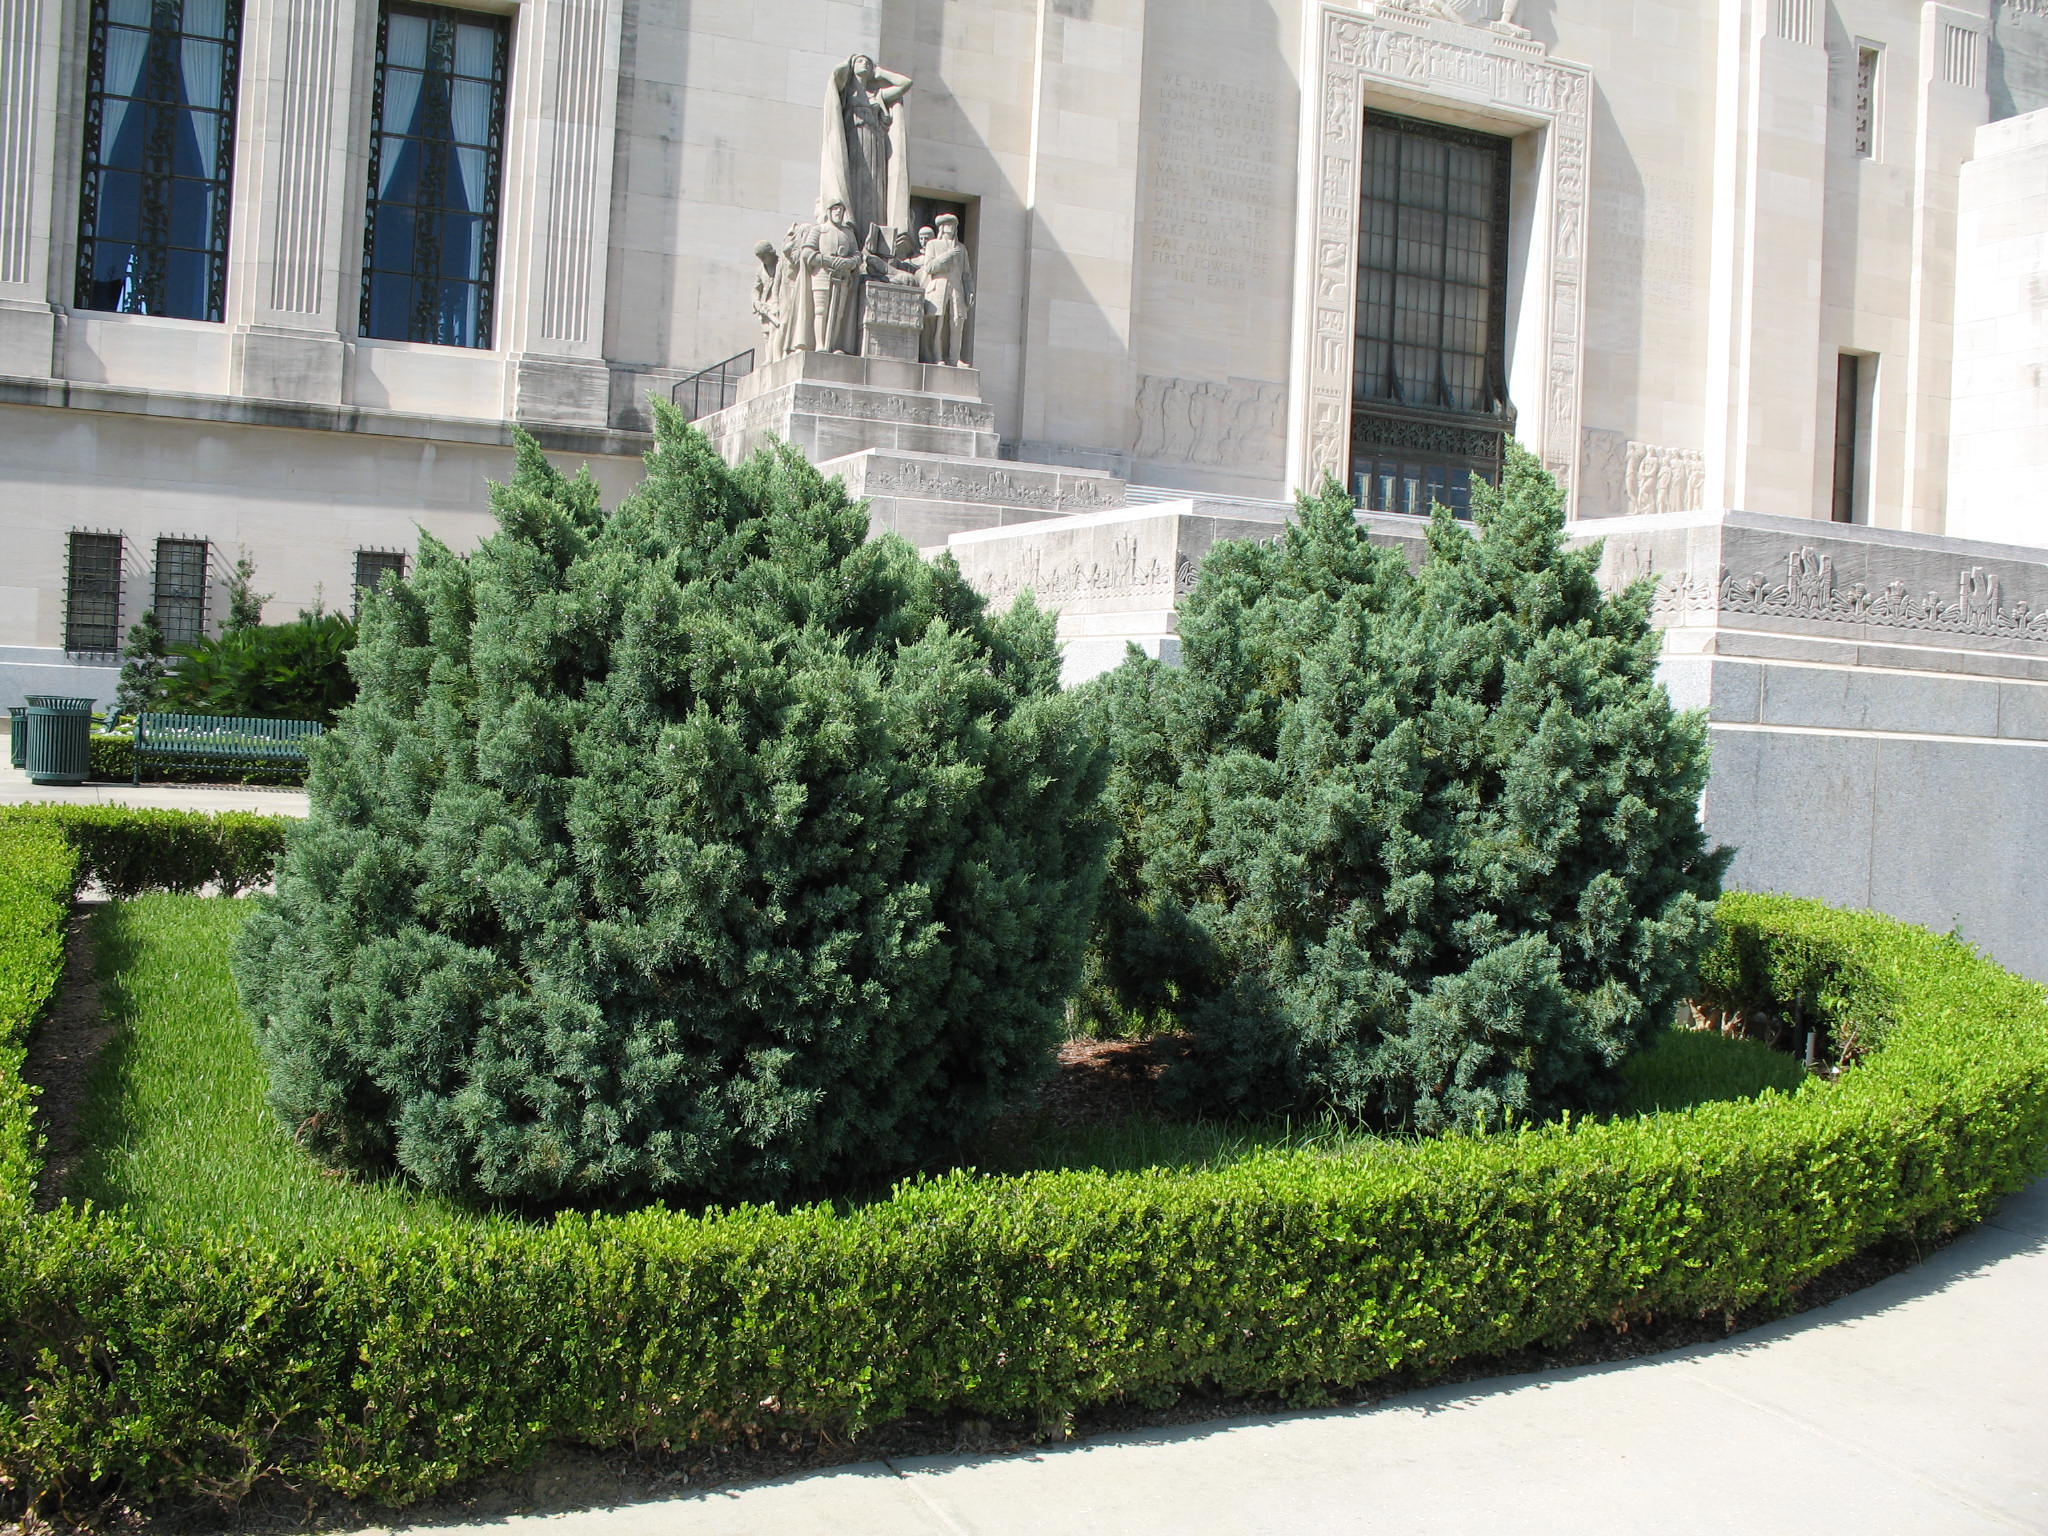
x=430, y=250
x=179, y=595
x=1430, y=409
x=372, y=565
x=92, y=593
x=159, y=156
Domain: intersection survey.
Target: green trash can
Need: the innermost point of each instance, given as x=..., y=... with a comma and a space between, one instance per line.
x=59, y=749
x=17, y=734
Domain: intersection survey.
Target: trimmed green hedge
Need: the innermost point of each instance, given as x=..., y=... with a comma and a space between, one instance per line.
x=37, y=871
x=129, y=851
x=392, y=1366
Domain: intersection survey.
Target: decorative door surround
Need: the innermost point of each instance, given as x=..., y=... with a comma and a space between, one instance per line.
x=1425, y=61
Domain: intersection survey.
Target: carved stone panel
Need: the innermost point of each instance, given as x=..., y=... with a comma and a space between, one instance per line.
x=1411, y=52
x=1219, y=424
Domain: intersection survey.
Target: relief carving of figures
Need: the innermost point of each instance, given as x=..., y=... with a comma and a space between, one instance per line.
x=1665, y=479
x=1234, y=424
x=863, y=165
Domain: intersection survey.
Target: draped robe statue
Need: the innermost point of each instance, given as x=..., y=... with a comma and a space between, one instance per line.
x=864, y=164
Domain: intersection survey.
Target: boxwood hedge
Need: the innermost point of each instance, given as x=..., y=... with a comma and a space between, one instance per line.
x=127, y=851
x=393, y=1366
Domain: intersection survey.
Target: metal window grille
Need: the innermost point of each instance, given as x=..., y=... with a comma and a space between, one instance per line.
x=1866, y=101
x=1429, y=382
x=371, y=568
x=159, y=136
x=180, y=595
x=92, y=593
x=437, y=136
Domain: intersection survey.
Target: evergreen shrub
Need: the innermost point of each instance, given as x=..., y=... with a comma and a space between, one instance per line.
x=1417, y=847
x=126, y=850
x=393, y=1364
x=701, y=849
x=144, y=665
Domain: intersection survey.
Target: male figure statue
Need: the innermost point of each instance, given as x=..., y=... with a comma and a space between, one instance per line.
x=830, y=258
x=948, y=274
x=768, y=287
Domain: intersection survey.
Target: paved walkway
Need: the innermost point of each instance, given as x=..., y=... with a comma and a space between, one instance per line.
x=16, y=789
x=1918, y=1407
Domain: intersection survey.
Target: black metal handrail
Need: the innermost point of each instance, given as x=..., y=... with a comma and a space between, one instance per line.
x=711, y=389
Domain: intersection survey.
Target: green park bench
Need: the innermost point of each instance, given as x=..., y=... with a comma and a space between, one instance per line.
x=172, y=739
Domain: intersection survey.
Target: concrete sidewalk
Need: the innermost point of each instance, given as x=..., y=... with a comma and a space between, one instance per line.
x=1918, y=1407
x=16, y=789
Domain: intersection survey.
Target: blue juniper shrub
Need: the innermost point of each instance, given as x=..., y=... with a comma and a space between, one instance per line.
x=1419, y=847
x=702, y=849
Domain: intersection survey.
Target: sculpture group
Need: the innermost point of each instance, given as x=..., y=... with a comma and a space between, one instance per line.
x=810, y=294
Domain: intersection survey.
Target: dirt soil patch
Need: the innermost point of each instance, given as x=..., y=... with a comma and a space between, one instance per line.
x=62, y=1054
x=1100, y=1082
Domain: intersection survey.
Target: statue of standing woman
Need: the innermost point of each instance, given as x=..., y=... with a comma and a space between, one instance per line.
x=864, y=165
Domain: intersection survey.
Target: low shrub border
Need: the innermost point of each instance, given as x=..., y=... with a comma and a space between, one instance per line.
x=128, y=851
x=38, y=871
x=392, y=1366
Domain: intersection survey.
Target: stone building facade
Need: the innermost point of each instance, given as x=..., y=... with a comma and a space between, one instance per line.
x=278, y=276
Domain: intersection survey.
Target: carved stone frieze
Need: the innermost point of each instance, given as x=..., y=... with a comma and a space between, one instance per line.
x=893, y=405
x=1126, y=573
x=1410, y=50
x=1809, y=589
x=1665, y=479
x=1221, y=424
x=997, y=487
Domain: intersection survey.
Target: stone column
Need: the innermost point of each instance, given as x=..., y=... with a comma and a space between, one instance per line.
x=1764, y=319
x=1953, y=104
x=1998, y=440
x=293, y=241
x=1076, y=385
x=30, y=37
x=565, y=84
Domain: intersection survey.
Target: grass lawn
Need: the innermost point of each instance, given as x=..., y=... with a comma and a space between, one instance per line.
x=177, y=1130
x=175, y=1126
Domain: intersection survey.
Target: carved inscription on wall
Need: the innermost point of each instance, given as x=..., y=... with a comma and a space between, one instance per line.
x=1214, y=184
x=1641, y=264
x=1223, y=424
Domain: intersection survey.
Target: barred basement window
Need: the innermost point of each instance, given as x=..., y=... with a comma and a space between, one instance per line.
x=438, y=117
x=159, y=157
x=92, y=593
x=371, y=567
x=1429, y=382
x=180, y=597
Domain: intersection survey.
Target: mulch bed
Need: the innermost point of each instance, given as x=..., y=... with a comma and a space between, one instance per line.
x=1097, y=1082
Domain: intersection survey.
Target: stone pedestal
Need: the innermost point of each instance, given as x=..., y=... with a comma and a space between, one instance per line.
x=892, y=321
x=914, y=439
